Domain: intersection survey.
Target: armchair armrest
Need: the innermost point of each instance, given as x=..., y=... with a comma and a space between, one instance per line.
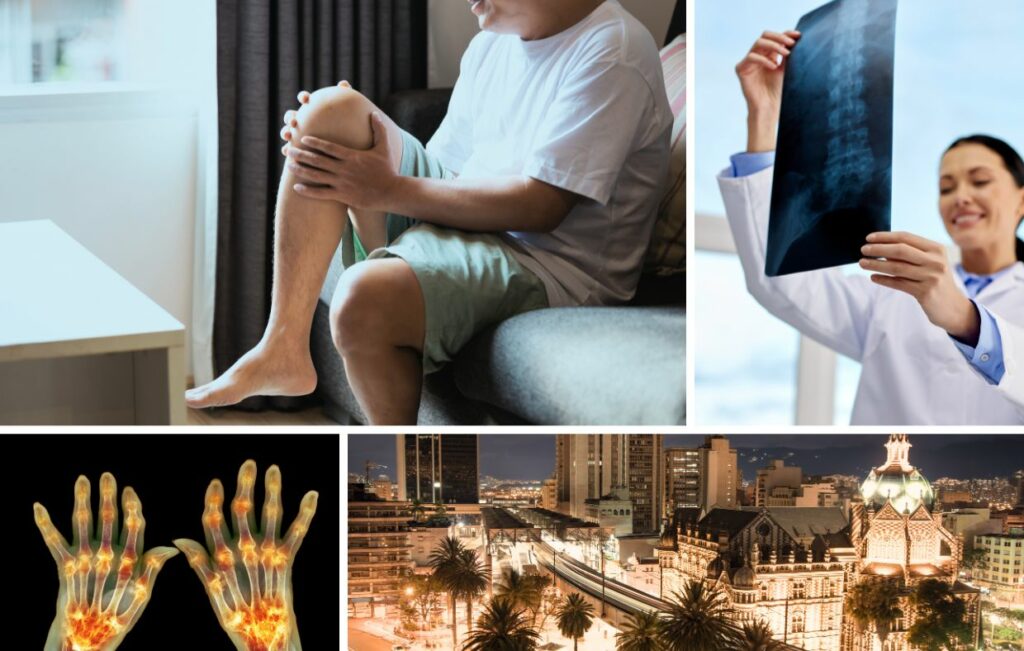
x=418, y=111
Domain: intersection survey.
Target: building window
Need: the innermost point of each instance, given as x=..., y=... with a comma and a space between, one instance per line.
x=799, y=590
x=798, y=623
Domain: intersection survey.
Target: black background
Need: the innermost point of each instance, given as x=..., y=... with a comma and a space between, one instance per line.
x=170, y=473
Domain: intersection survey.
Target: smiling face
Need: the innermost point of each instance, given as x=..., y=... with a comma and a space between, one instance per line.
x=980, y=203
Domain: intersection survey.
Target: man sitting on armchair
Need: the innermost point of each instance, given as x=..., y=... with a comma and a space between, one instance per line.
x=540, y=188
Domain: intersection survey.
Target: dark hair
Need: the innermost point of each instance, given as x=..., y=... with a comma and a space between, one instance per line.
x=1013, y=161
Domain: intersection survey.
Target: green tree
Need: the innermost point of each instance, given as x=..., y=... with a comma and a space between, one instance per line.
x=469, y=579
x=640, y=633
x=417, y=509
x=874, y=603
x=755, y=636
x=975, y=558
x=444, y=561
x=524, y=591
x=575, y=617
x=502, y=626
x=941, y=622
x=422, y=592
x=696, y=620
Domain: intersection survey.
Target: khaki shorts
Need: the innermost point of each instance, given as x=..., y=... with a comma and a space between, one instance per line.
x=470, y=281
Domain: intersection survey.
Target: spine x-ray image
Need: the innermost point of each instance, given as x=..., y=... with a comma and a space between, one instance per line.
x=833, y=168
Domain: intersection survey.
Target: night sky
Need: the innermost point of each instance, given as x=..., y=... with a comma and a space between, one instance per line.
x=532, y=456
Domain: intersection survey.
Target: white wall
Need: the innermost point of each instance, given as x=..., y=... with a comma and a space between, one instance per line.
x=452, y=26
x=123, y=168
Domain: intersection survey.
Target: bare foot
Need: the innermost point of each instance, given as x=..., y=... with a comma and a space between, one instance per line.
x=260, y=372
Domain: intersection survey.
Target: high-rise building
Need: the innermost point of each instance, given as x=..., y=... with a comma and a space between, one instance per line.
x=682, y=479
x=590, y=466
x=777, y=476
x=549, y=494
x=438, y=468
x=379, y=551
x=719, y=475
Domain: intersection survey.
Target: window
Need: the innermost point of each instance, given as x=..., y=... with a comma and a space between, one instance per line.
x=82, y=43
x=984, y=40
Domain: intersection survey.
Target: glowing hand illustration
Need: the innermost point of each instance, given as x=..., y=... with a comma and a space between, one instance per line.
x=249, y=579
x=103, y=586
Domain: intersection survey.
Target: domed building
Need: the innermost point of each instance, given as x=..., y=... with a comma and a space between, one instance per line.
x=897, y=481
x=898, y=535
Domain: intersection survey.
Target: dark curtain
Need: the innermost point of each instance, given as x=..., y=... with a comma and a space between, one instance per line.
x=267, y=51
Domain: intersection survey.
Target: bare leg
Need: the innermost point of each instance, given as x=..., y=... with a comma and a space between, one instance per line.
x=307, y=233
x=378, y=319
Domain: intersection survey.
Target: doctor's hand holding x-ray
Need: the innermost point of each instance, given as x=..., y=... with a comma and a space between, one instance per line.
x=939, y=343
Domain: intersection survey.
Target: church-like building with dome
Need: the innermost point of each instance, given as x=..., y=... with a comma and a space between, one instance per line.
x=793, y=566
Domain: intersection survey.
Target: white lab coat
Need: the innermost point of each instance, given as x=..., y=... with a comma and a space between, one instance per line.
x=912, y=372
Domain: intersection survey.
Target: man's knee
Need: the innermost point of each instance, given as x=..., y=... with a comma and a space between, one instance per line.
x=340, y=115
x=373, y=303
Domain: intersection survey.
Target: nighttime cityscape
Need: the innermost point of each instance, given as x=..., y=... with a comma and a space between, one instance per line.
x=860, y=542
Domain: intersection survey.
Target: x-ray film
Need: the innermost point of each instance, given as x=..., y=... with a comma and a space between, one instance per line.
x=833, y=167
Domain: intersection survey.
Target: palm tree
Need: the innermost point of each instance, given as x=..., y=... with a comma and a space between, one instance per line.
x=417, y=510
x=469, y=579
x=523, y=591
x=575, y=617
x=755, y=636
x=697, y=620
x=875, y=603
x=444, y=560
x=502, y=627
x=640, y=633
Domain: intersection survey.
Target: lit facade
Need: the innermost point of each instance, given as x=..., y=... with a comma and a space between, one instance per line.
x=1003, y=571
x=438, y=468
x=899, y=539
x=379, y=553
x=682, y=479
x=783, y=567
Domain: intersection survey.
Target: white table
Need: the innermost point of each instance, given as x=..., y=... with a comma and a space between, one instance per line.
x=78, y=343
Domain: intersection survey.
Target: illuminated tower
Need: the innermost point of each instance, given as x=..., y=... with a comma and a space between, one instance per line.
x=900, y=539
x=438, y=468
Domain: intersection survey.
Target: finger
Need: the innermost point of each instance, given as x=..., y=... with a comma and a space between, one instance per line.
x=332, y=149
x=755, y=59
x=303, y=97
x=242, y=507
x=199, y=561
x=83, y=513
x=900, y=251
x=311, y=192
x=286, y=133
x=134, y=524
x=213, y=518
x=899, y=284
x=55, y=542
x=895, y=268
x=289, y=118
x=763, y=45
x=105, y=553
x=313, y=159
x=785, y=39
x=153, y=562
x=380, y=130
x=310, y=174
x=271, y=523
x=216, y=533
x=297, y=532
x=107, y=532
x=893, y=237
x=344, y=84
x=284, y=149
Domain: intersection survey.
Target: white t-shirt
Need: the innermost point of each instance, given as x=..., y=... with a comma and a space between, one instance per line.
x=585, y=110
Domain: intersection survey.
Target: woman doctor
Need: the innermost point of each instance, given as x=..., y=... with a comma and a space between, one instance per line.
x=939, y=344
